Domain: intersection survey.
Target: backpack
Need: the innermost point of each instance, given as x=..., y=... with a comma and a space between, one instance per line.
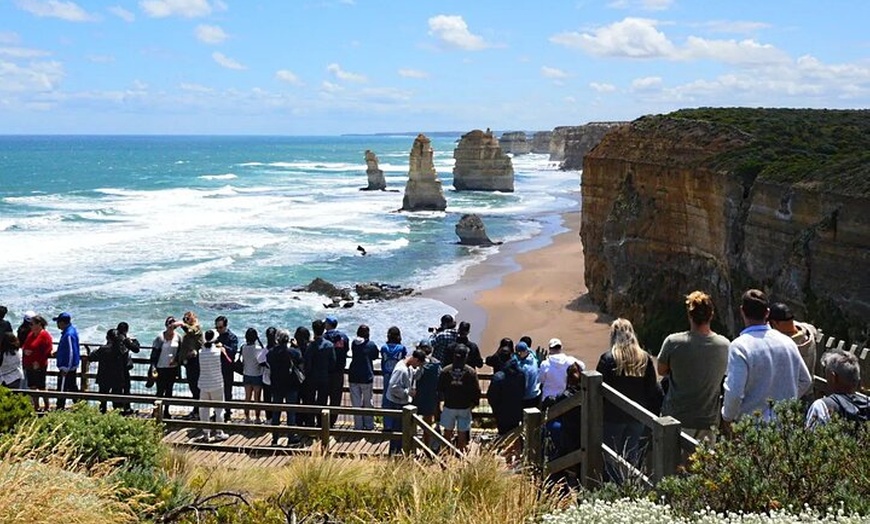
x=854, y=407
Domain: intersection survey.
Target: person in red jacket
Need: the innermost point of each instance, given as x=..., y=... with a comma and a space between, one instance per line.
x=35, y=352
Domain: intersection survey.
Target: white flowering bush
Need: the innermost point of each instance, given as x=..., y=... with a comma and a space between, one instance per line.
x=628, y=511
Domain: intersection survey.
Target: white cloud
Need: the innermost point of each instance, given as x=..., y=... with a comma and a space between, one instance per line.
x=35, y=77
x=330, y=88
x=630, y=37
x=734, y=26
x=646, y=83
x=647, y=5
x=413, y=73
x=210, y=34
x=182, y=8
x=554, y=73
x=69, y=11
x=602, y=87
x=453, y=31
x=732, y=51
x=195, y=88
x=122, y=13
x=9, y=37
x=227, y=62
x=347, y=76
x=285, y=75
x=22, y=52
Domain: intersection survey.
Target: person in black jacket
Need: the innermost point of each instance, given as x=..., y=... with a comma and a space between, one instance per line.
x=319, y=361
x=129, y=345
x=283, y=362
x=112, y=359
x=505, y=396
x=502, y=354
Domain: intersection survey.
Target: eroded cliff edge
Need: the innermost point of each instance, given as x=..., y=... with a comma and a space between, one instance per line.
x=726, y=199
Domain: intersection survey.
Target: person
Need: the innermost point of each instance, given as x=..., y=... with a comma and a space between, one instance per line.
x=164, y=350
x=554, y=369
x=843, y=373
x=391, y=354
x=541, y=354
x=34, y=354
x=252, y=373
x=400, y=392
x=262, y=359
x=444, y=337
x=341, y=346
x=11, y=373
x=764, y=366
x=505, y=395
x=474, y=358
x=529, y=366
x=283, y=359
x=230, y=343
x=804, y=335
x=426, y=379
x=211, y=383
x=693, y=363
x=301, y=339
x=24, y=327
x=5, y=326
x=459, y=388
x=630, y=370
x=188, y=353
x=361, y=375
x=502, y=354
x=112, y=367
x=568, y=424
x=319, y=361
x=129, y=345
x=68, y=356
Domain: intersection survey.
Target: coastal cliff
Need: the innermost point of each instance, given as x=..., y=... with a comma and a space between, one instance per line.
x=579, y=140
x=726, y=199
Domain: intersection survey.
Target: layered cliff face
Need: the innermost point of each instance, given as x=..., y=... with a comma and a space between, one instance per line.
x=557, y=143
x=423, y=191
x=481, y=165
x=671, y=205
x=579, y=140
x=541, y=142
x=515, y=143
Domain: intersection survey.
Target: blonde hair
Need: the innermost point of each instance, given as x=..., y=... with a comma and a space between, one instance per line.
x=629, y=356
x=700, y=307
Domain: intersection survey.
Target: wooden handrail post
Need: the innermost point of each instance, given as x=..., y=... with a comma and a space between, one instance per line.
x=158, y=411
x=591, y=427
x=533, y=426
x=324, y=431
x=666, y=447
x=86, y=367
x=409, y=429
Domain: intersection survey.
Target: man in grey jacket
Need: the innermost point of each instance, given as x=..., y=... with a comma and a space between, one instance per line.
x=400, y=392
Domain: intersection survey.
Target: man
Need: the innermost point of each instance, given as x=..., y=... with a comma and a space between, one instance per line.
x=336, y=376
x=5, y=326
x=764, y=366
x=554, y=370
x=230, y=343
x=128, y=345
x=68, y=356
x=694, y=363
x=505, y=395
x=804, y=335
x=459, y=387
x=444, y=337
x=319, y=363
x=400, y=392
x=528, y=365
x=474, y=358
x=843, y=374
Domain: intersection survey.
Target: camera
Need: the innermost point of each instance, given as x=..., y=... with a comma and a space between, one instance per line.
x=433, y=329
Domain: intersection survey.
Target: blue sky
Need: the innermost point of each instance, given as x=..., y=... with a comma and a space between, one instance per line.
x=324, y=67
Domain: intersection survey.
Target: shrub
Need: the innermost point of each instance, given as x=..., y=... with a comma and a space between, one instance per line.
x=771, y=466
x=13, y=409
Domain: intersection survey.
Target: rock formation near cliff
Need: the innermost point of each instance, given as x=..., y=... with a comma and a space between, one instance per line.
x=515, y=143
x=481, y=165
x=375, y=175
x=727, y=199
x=423, y=191
x=472, y=232
x=541, y=142
x=580, y=140
x=557, y=143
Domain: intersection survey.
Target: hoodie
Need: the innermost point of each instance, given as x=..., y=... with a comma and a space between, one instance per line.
x=805, y=338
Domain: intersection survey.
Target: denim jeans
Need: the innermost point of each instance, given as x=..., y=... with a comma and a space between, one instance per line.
x=284, y=396
x=361, y=397
x=626, y=439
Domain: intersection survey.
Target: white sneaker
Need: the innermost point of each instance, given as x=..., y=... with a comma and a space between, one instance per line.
x=220, y=436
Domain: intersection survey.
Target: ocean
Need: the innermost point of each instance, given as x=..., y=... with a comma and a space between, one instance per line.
x=136, y=228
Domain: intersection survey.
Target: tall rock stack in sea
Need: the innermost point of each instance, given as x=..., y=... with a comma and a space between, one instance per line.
x=423, y=191
x=515, y=143
x=375, y=175
x=541, y=142
x=481, y=165
x=557, y=143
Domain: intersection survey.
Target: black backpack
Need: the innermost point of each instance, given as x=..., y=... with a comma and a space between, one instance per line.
x=854, y=407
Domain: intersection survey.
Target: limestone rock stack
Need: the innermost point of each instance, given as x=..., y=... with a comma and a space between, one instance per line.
x=557, y=143
x=579, y=140
x=541, y=142
x=481, y=165
x=375, y=175
x=423, y=191
x=472, y=232
x=515, y=143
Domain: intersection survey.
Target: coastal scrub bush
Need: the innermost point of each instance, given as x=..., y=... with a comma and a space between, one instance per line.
x=13, y=409
x=771, y=466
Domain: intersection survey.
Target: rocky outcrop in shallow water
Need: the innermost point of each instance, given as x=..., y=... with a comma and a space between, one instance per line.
x=375, y=175
x=472, y=232
x=423, y=191
x=481, y=165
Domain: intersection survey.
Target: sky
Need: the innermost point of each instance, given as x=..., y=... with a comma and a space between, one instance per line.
x=329, y=67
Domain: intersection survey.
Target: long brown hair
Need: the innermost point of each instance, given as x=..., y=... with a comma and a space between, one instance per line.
x=629, y=356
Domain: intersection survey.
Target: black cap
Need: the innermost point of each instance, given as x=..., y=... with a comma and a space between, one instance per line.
x=780, y=311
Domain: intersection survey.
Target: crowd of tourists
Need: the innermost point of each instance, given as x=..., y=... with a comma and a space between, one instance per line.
x=699, y=377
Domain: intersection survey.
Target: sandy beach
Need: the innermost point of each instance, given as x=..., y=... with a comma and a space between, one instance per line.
x=535, y=288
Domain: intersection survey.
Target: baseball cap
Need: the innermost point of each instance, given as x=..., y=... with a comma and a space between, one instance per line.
x=63, y=316
x=447, y=321
x=554, y=342
x=28, y=315
x=780, y=311
x=331, y=320
x=424, y=343
x=522, y=346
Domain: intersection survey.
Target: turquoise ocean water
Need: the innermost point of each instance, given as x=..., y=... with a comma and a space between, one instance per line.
x=114, y=228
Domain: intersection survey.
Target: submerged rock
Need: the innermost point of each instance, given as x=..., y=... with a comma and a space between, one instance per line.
x=381, y=291
x=472, y=232
x=375, y=175
x=423, y=191
x=327, y=289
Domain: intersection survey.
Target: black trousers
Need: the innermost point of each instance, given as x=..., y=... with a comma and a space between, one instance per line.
x=111, y=389
x=66, y=382
x=165, y=383
x=191, y=370
x=336, y=392
x=229, y=376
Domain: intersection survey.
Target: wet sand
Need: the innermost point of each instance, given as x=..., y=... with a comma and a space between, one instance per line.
x=535, y=287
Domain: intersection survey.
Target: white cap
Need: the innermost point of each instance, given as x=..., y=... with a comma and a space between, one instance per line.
x=554, y=342
x=29, y=314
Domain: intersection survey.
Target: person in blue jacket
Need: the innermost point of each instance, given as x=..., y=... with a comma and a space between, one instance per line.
x=68, y=356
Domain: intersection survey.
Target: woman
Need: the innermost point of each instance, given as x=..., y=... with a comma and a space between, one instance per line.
x=10, y=361
x=164, y=351
x=301, y=339
x=391, y=353
x=501, y=356
x=252, y=374
x=426, y=379
x=283, y=359
x=630, y=370
x=188, y=354
x=111, y=373
x=211, y=382
x=35, y=353
x=361, y=375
